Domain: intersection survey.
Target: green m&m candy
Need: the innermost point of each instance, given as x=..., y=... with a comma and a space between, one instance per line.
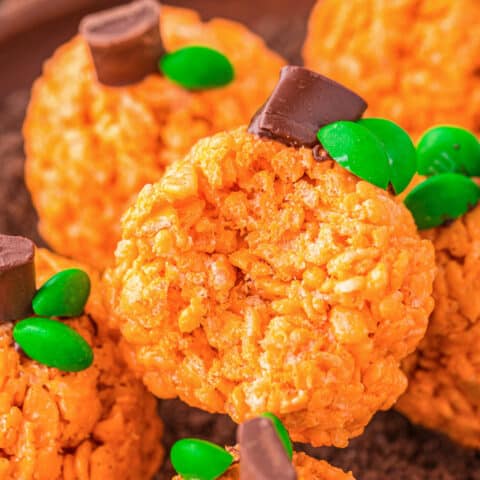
x=441, y=198
x=53, y=343
x=197, y=68
x=401, y=153
x=448, y=149
x=356, y=149
x=63, y=295
x=281, y=432
x=195, y=459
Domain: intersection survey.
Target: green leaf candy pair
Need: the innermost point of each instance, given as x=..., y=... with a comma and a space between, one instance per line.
x=374, y=149
x=50, y=341
x=196, y=459
x=451, y=155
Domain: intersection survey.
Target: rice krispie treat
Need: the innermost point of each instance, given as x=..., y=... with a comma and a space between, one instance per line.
x=416, y=62
x=259, y=274
x=444, y=373
x=69, y=406
x=264, y=452
x=92, y=146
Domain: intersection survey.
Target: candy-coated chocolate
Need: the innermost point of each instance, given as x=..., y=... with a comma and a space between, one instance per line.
x=448, y=149
x=441, y=198
x=401, y=153
x=197, y=68
x=63, y=295
x=53, y=343
x=197, y=459
x=358, y=150
x=281, y=431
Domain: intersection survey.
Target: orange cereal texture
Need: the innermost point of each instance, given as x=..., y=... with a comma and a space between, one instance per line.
x=91, y=148
x=416, y=62
x=444, y=373
x=253, y=278
x=98, y=424
x=307, y=468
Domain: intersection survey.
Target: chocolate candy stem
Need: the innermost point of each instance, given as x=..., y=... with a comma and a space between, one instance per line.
x=301, y=103
x=262, y=454
x=281, y=432
x=125, y=42
x=17, y=277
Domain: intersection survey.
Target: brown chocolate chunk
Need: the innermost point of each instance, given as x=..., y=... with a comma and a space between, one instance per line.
x=262, y=454
x=125, y=42
x=17, y=277
x=302, y=102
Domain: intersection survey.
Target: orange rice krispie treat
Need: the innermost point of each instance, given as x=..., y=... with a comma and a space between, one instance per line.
x=444, y=373
x=264, y=452
x=444, y=385
x=98, y=423
x=415, y=62
x=91, y=147
x=256, y=276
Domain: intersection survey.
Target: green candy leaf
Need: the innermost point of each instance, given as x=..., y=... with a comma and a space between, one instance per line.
x=442, y=197
x=282, y=432
x=358, y=150
x=197, y=68
x=448, y=149
x=199, y=460
x=401, y=153
x=63, y=295
x=53, y=343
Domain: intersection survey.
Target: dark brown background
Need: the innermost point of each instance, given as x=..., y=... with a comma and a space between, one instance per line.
x=391, y=447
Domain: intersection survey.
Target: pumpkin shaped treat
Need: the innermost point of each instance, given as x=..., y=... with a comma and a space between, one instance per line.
x=415, y=61
x=69, y=406
x=444, y=373
x=131, y=93
x=259, y=274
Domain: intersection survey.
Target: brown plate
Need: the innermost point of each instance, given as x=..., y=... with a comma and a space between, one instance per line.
x=391, y=447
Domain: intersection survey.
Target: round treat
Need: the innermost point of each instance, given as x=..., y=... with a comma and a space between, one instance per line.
x=91, y=148
x=444, y=385
x=307, y=468
x=415, y=61
x=97, y=424
x=254, y=278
